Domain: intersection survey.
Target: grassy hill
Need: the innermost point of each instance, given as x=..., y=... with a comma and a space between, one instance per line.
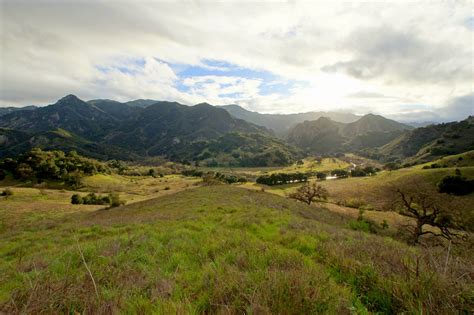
x=215, y=249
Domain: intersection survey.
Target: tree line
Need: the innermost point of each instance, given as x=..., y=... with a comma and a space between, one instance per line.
x=51, y=165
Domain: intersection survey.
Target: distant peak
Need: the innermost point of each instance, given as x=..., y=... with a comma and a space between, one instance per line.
x=69, y=97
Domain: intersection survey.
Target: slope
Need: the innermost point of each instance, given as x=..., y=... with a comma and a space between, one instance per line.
x=197, y=252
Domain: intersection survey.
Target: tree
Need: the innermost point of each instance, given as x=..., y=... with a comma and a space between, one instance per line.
x=340, y=173
x=310, y=192
x=427, y=209
x=76, y=199
x=456, y=185
x=321, y=175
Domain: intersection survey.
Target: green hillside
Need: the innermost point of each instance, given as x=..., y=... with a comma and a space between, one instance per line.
x=431, y=142
x=217, y=249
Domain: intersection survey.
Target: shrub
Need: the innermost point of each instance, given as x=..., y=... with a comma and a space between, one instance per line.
x=392, y=166
x=76, y=199
x=340, y=173
x=115, y=201
x=358, y=172
x=2, y=174
x=456, y=185
x=321, y=175
x=167, y=188
x=192, y=173
x=7, y=192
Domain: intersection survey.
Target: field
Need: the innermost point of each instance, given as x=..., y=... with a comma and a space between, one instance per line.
x=179, y=246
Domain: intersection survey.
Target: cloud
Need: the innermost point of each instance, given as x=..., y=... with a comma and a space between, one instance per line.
x=402, y=56
x=269, y=57
x=459, y=108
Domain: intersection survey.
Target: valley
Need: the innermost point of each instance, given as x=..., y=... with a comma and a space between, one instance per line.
x=158, y=207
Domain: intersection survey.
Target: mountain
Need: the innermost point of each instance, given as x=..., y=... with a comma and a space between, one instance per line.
x=321, y=135
x=327, y=136
x=164, y=127
x=141, y=103
x=69, y=113
x=8, y=110
x=107, y=129
x=430, y=142
x=280, y=123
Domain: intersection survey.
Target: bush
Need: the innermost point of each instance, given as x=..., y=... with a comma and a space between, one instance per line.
x=2, y=174
x=76, y=199
x=321, y=175
x=358, y=172
x=192, y=173
x=7, y=192
x=456, y=185
x=340, y=173
x=115, y=200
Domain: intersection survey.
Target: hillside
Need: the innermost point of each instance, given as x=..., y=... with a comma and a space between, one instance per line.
x=197, y=252
x=327, y=136
x=282, y=123
x=430, y=142
x=108, y=129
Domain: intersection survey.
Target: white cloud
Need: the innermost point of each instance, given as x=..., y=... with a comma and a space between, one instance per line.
x=413, y=52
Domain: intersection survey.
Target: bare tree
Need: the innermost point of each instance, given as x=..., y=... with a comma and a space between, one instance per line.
x=310, y=192
x=427, y=208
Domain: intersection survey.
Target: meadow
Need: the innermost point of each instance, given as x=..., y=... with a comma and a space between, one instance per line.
x=180, y=246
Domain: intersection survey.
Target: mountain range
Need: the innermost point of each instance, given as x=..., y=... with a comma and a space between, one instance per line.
x=282, y=123
x=108, y=129
x=219, y=135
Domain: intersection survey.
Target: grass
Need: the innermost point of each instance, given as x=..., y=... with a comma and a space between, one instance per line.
x=215, y=249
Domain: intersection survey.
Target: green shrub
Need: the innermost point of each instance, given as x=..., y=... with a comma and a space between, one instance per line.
x=321, y=175
x=115, y=201
x=456, y=185
x=76, y=199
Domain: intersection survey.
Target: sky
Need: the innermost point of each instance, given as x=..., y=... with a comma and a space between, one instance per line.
x=409, y=60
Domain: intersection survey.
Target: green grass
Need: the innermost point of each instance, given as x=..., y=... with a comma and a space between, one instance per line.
x=216, y=249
